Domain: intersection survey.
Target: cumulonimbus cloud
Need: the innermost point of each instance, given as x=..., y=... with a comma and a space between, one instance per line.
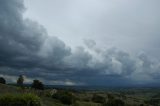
x=26, y=48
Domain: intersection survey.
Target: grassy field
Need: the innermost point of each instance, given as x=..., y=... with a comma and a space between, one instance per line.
x=130, y=97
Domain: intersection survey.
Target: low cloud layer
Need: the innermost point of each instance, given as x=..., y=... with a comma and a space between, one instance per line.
x=26, y=48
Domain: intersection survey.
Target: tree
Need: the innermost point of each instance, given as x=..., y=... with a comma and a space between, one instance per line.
x=65, y=97
x=98, y=99
x=2, y=80
x=115, y=102
x=37, y=85
x=20, y=80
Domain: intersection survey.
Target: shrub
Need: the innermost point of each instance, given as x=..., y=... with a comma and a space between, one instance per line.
x=141, y=105
x=154, y=101
x=110, y=96
x=98, y=99
x=115, y=102
x=37, y=85
x=19, y=100
x=64, y=97
x=86, y=99
x=2, y=80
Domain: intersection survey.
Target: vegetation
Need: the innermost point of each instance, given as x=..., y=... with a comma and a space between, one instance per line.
x=2, y=80
x=38, y=95
x=19, y=100
x=64, y=97
x=37, y=85
x=16, y=96
x=20, y=80
x=115, y=102
x=98, y=99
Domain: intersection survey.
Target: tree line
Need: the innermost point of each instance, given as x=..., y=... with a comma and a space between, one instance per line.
x=36, y=84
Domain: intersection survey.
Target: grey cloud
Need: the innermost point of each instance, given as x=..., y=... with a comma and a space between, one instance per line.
x=129, y=25
x=22, y=40
x=89, y=43
x=79, y=59
x=26, y=48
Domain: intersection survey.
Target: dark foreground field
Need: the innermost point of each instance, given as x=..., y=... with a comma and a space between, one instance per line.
x=17, y=96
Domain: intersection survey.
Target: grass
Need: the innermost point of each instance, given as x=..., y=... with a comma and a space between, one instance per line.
x=83, y=98
x=19, y=100
x=81, y=103
x=46, y=101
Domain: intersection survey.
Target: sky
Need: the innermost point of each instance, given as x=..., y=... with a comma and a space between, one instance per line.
x=81, y=42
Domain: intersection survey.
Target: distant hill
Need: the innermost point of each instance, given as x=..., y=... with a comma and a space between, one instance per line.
x=8, y=89
x=83, y=95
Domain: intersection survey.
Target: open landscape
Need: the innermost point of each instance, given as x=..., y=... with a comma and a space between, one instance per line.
x=15, y=95
x=79, y=53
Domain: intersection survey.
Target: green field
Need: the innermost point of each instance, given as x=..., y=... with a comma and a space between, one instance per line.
x=63, y=97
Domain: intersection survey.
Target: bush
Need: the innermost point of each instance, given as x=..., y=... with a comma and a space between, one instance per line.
x=37, y=85
x=98, y=99
x=115, y=102
x=64, y=97
x=110, y=96
x=2, y=80
x=141, y=105
x=19, y=100
x=154, y=101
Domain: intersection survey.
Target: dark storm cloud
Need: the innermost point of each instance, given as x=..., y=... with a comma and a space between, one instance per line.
x=26, y=48
x=24, y=43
